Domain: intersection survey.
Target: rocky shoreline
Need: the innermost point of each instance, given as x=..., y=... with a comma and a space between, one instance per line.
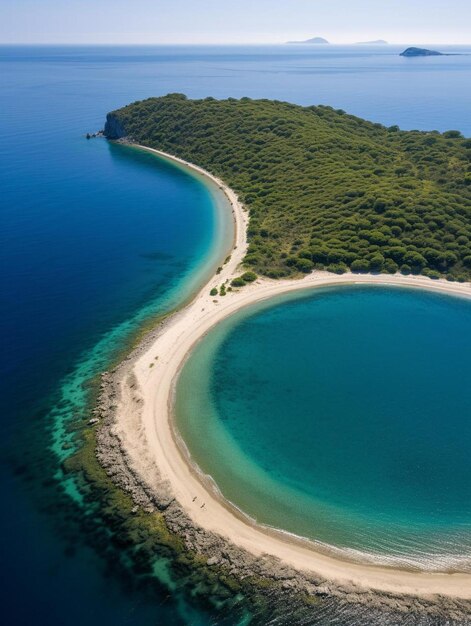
x=214, y=551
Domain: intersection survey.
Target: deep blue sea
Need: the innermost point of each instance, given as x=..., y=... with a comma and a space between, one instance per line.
x=96, y=239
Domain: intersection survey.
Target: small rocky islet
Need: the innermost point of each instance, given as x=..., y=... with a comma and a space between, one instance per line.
x=421, y=52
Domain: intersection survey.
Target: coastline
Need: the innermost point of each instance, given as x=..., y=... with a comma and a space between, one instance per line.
x=141, y=421
x=225, y=229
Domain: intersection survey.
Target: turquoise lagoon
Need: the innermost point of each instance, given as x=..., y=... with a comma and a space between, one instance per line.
x=342, y=415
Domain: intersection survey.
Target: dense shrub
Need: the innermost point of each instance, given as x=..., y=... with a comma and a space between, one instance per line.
x=431, y=273
x=304, y=265
x=337, y=268
x=238, y=282
x=249, y=277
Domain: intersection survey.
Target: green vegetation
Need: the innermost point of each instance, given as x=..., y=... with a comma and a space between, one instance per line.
x=213, y=292
x=324, y=189
x=247, y=277
x=238, y=282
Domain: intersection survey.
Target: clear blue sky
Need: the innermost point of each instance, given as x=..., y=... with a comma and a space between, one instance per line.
x=233, y=21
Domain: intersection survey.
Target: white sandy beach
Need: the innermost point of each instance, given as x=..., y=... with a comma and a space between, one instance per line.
x=150, y=441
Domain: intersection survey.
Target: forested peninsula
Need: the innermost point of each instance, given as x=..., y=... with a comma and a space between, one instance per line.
x=324, y=189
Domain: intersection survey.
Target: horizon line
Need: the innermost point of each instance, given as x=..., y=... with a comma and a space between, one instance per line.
x=234, y=43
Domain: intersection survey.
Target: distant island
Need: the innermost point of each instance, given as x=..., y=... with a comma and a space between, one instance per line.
x=314, y=40
x=376, y=42
x=324, y=190
x=420, y=52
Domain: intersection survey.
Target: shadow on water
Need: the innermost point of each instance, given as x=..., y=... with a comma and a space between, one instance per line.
x=157, y=256
x=128, y=154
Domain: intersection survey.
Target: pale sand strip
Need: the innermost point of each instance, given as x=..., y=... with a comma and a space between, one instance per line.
x=151, y=442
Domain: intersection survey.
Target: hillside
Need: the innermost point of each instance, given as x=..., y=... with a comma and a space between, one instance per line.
x=324, y=189
x=313, y=40
x=376, y=42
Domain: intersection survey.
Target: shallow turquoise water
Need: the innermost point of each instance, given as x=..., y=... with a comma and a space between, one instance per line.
x=343, y=416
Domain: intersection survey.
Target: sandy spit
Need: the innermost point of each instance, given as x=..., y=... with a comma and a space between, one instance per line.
x=142, y=422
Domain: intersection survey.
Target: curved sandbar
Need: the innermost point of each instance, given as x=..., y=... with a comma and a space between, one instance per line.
x=151, y=443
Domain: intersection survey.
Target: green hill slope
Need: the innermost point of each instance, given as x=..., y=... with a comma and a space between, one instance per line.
x=324, y=189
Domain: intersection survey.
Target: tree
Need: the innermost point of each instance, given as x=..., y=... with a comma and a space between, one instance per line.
x=390, y=266
x=376, y=262
x=360, y=265
x=453, y=134
x=304, y=265
x=431, y=273
x=415, y=260
x=337, y=268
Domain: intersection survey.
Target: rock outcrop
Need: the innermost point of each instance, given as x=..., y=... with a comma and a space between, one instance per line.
x=420, y=52
x=113, y=128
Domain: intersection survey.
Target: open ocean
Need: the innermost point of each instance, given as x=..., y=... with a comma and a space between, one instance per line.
x=96, y=239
